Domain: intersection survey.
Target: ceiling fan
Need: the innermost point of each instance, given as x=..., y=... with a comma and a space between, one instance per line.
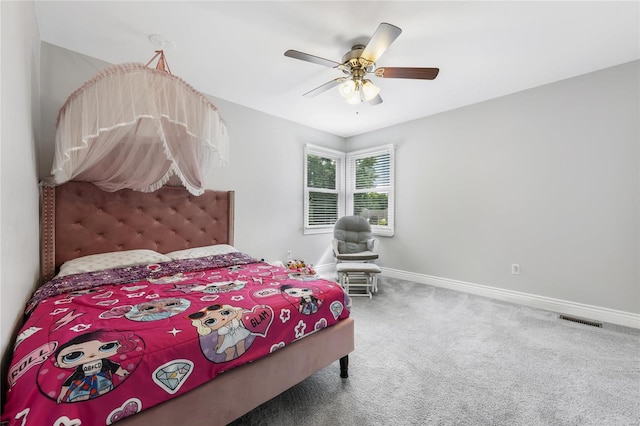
x=361, y=61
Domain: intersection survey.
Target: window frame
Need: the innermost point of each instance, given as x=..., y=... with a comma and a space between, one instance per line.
x=389, y=189
x=345, y=186
x=339, y=158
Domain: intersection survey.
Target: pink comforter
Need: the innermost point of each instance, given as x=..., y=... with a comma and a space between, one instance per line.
x=101, y=346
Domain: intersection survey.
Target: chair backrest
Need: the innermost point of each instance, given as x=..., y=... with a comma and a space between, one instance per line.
x=352, y=233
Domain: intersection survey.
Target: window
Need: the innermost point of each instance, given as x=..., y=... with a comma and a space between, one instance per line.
x=338, y=184
x=324, y=188
x=370, y=187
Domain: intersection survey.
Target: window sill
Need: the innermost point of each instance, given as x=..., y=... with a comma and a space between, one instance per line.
x=323, y=230
x=381, y=232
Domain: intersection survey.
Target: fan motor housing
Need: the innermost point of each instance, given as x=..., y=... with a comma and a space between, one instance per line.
x=355, y=61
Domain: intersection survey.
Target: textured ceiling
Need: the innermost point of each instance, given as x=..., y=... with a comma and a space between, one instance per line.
x=235, y=50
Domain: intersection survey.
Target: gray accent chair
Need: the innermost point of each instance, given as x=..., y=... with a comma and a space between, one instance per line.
x=353, y=241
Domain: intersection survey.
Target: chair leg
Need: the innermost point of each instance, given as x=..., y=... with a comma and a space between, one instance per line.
x=369, y=286
x=370, y=283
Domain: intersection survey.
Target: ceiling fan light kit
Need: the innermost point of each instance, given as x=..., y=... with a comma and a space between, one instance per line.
x=357, y=91
x=359, y=62
x=369, y=90
x=347, y=88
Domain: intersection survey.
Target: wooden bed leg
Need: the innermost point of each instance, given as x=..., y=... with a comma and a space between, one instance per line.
x=344, y=366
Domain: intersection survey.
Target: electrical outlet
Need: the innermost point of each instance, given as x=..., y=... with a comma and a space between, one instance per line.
x=515, y=269
x=289, y=255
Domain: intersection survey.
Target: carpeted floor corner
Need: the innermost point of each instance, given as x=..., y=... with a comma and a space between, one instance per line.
x=431, y=356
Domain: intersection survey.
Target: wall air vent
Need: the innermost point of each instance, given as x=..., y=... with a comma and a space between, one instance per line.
x=581, y=321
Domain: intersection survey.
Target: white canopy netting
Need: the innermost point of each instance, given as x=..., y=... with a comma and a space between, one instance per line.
x=135, y=127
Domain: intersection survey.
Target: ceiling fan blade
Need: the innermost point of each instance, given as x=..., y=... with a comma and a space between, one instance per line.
x=376, y=101
x=311, y=58
x=414, y=73
x=323, y=88
x=380, y=41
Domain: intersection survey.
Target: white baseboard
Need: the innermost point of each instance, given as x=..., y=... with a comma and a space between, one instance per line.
x=327, y=271
x=591, y=312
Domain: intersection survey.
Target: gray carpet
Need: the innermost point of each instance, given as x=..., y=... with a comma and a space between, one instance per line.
x=430, y=356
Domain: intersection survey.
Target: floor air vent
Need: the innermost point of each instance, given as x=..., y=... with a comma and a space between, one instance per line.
x=581, y=321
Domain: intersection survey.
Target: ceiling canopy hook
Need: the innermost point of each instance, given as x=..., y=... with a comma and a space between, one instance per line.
x=160, y=42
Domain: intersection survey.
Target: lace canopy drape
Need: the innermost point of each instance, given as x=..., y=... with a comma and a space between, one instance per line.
x=134, y=127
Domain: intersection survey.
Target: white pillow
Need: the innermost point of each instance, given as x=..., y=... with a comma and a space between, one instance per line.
x=116, y=259
x=194, y=252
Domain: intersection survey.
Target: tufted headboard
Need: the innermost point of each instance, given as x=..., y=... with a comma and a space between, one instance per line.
x=78, y=219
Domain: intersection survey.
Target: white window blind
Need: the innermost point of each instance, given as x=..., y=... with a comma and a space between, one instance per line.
x=370, y=187
x=324, y=193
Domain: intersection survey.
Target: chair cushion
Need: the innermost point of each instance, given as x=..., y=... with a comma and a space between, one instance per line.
x=363, y=255
x=352, y=233
x=368, y=268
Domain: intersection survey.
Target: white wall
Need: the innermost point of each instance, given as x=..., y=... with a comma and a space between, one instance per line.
x=19, y=194
x=547, y=178
x=265, y=167
x=266, y=171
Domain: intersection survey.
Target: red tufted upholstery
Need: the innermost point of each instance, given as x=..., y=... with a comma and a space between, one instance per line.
x=79, y=219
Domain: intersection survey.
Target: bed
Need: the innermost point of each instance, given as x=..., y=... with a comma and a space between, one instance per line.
x=185, y=329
